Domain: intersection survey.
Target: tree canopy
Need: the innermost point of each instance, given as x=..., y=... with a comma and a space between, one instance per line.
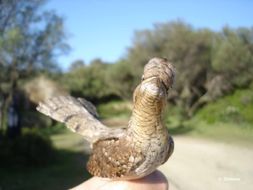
x=30, y=40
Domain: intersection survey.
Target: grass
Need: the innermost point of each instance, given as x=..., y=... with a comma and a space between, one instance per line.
x=68, y=169
x=225, y=132
x=221, y=131
x=229, y=119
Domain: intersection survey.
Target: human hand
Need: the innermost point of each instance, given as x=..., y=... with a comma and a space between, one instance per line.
x=154, y=181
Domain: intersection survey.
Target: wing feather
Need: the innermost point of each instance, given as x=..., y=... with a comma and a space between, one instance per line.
x=79, y=115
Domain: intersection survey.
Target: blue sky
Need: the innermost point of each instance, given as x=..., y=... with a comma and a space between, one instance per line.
x=104, y=28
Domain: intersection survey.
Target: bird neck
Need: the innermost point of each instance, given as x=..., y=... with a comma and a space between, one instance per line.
x=146, y=117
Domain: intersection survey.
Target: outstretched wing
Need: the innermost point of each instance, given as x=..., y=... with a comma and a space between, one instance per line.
x=79, y=115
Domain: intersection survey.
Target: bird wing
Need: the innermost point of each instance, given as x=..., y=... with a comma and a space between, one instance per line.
x=79, y=115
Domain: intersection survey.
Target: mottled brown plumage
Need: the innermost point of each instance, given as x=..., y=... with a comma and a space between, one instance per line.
x=124, y=153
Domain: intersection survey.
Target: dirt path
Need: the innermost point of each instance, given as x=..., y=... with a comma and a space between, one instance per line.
x=202, y=164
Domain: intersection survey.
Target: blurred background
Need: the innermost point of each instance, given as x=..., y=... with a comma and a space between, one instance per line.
x=97, y=50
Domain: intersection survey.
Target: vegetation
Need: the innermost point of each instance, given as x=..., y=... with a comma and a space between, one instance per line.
x=29, y=41
x=115, y=109
x=236, y=108
x=229, y=118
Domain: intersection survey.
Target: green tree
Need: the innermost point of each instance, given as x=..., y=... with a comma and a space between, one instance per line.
x=233, y=56
x=121, y=79
x=89, y=81
x=30, y=39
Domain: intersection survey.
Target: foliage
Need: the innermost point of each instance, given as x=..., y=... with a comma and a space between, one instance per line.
x=89, y=81
x=228, y=119
x=121, y=79
x=117, y=109
x=236, y=108
x=30, y=39
x=232, y=55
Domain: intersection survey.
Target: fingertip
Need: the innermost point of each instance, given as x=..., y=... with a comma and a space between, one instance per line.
x=156, y=180
x=92, y=183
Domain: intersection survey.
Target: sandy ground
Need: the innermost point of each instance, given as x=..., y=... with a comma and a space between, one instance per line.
x=202, y=164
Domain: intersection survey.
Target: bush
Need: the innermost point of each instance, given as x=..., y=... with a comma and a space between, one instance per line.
x=31, y=149
x=236, y=108
x=112, y=109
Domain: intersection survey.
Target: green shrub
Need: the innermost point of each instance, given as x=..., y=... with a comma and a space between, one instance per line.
x=115, y=109
x=236, y=108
